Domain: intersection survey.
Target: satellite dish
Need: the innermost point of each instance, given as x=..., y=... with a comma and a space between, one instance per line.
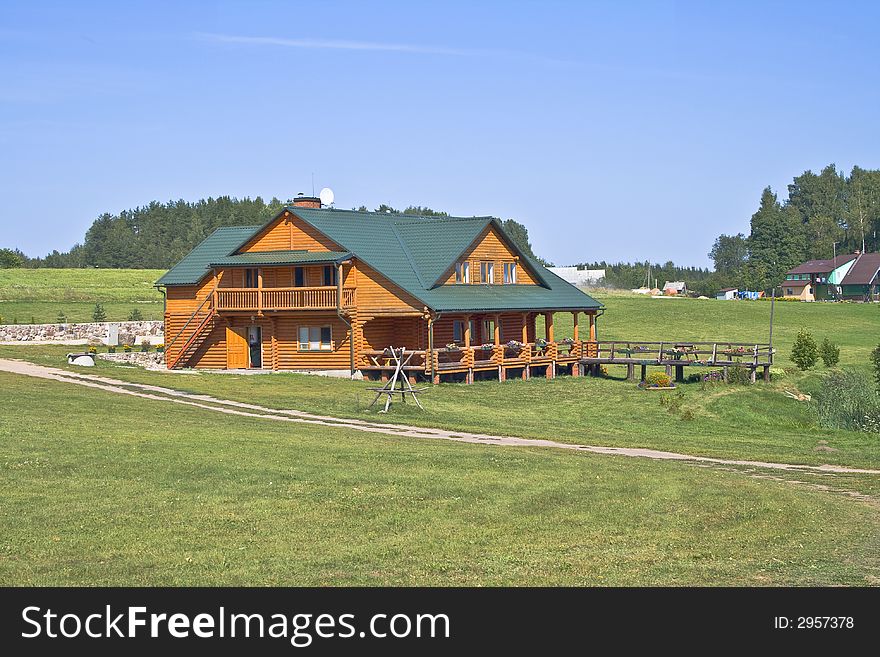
x=327, y=196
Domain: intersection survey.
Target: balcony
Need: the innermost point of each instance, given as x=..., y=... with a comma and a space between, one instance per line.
x=282, y=298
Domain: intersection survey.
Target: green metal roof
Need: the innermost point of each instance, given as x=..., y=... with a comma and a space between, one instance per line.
x=197, y=262
x=280, y=258
x=411, y=251
x=414, y=251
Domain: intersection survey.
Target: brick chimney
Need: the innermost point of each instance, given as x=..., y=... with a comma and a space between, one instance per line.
x=306, y=201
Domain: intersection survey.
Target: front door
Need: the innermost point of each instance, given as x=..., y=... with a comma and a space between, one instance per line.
x=236, y=348
x=255, y=346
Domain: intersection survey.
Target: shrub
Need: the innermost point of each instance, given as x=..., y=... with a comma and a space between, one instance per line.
x=62, y=318
x=658, y=380
x=135, y=315
x=126, y=348
x=805, y=353
x=98, y=314
x=160, y=348
x=777, y=373
x=875, y=359
x=829, y=352
x=145, y=346
x=847, y=400
x=111, y=349
x=738, y=376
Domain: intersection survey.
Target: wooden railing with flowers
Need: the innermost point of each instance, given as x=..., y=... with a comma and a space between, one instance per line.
x=509, y=354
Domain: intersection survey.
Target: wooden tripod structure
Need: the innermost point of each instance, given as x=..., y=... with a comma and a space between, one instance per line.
x=400, y=360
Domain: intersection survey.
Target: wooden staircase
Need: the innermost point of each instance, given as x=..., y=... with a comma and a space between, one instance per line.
x=195, y=330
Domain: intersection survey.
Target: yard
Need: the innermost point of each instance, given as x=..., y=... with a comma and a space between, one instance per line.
x=108, y=489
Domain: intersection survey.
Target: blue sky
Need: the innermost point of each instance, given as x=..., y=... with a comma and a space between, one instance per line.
x=616, y=131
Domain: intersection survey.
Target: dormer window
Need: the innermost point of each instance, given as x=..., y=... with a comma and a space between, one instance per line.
x=463, y=272
x=487, y=273
x=509, y=273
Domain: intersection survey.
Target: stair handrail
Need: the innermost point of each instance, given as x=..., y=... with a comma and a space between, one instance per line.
x=191, y=317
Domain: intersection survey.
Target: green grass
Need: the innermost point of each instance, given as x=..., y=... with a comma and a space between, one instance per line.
x=41, y=294
x=100, y=489
x=46, y=312
x=743, y=422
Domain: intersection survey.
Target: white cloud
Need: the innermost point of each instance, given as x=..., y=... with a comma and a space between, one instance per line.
x=338, y=44
x=374, y=46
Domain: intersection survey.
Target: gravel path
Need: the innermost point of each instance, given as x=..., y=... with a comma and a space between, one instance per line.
x=231, y=407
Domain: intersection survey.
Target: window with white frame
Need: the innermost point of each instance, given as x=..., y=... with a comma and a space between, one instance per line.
x=463, y=272
x=315, y=338
x=487, y=273
x=509, y=273
x=458, y=330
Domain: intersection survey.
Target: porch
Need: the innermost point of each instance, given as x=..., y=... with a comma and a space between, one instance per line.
x=476, y=345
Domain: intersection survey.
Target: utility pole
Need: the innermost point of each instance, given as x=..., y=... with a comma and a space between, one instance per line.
x=772, y=308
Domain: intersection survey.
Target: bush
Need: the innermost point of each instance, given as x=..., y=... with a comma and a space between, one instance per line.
x=62, y=318
x=98, y=314
x=847, y=400
x=658, y=380
x=738, y=376
x=829, y=352
x=135, y=315
x=805, y=353
x=875, y=359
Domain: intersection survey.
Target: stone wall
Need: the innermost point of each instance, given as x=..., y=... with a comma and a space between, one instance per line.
x=93, y=332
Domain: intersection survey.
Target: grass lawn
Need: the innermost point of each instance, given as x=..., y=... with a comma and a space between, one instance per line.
x=752, y=422
x=41, y=294
x=101, y=489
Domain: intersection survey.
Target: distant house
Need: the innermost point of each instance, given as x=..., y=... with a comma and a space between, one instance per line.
x=727, y=293
x=578, y=276
x=817, y=279
x=862, y=281
x=673, y=288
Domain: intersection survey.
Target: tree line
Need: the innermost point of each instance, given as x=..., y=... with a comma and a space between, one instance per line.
x=158, y=235
x=825, y=214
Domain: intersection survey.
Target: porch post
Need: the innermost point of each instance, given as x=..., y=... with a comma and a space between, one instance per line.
x=592, y=327
x=467, y=348
x=548, y=326
x=497, y=340
x=260, y=291
x=575, y=316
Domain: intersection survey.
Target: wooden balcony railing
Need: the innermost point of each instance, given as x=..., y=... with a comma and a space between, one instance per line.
x=282, y=298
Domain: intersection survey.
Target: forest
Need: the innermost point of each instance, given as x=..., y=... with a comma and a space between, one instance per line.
x=158, y=235
x=823, y=214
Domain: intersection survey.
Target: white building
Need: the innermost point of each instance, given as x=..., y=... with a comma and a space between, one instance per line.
x=577, y=276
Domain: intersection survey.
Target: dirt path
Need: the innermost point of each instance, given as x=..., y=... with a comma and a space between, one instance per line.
x=231, y=407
